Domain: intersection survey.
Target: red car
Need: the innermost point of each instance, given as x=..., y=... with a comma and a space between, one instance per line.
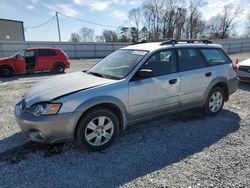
x=34, y=60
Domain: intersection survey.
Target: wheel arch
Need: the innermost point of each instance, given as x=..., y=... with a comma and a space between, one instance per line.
x=8, y=66
x=223, y=86
x=218, y=82
x=58, y=63
x=111, y=103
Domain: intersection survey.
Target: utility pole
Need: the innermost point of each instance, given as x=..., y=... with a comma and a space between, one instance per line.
x=58, y=27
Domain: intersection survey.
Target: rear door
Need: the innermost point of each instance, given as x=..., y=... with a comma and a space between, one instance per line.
x=46, y=59
x=158, y=93
x=194, y=74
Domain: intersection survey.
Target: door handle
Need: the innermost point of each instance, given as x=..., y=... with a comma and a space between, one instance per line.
x=208, y=74
x=173, y=81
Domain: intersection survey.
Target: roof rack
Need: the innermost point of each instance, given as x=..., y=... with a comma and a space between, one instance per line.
x=151, y=40
x=172, y=41
x=140, y=42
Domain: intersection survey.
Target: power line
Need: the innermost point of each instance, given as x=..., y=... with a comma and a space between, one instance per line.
x=35, y=27
x=93, y=23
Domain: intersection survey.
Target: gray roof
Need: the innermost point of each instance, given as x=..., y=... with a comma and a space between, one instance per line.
x=151, y=46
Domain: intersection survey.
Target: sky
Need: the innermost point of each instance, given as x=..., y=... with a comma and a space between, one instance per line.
x=106, y=12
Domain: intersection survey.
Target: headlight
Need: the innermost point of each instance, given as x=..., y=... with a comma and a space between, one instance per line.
x=45, y=109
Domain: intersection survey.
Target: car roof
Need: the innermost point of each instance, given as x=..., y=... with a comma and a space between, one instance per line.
x=43, y=48
x=152, y=46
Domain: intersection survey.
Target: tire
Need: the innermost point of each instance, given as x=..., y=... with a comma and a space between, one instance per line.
x=215, y=101
x=97, y=130
x=58, y=68
x=6, y=71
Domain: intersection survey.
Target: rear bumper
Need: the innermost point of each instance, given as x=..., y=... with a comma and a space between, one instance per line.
x=68, y=64
x=233, y=85
x=47, y=129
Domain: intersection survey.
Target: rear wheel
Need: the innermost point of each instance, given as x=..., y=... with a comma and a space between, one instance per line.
x=97, y=129
x=6, y=71
x=59, y=68
x=215, y=101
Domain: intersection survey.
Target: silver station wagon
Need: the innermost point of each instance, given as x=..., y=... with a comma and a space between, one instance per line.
x=134, y=83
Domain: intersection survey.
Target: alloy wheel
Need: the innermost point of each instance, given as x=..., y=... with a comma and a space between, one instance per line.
x=99, y=131
x=215, y=101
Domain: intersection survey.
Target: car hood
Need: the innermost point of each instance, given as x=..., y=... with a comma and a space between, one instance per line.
x=61, y=85
x=245, y=62
x=5, y=59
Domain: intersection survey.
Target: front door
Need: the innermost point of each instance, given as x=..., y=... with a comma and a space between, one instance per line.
x=20, y=62
x=157, y=93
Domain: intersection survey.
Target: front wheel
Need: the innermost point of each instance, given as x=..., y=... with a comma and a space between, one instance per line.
x=215, y=101
x=97, y=129
x=5, y=72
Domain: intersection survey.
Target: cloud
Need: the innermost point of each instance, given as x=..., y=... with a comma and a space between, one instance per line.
x=35, y=1
x=30, y=7
x=66, y=9
x=121, y=15
x=97, y=5
x=212, y=8
x=120, y=2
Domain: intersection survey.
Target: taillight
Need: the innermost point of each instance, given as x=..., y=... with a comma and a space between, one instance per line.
x=236, y=66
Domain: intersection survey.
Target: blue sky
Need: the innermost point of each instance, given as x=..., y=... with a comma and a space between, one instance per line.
x=108, y=12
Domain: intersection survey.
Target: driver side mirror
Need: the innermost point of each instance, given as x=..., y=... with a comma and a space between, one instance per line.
x=144, y=73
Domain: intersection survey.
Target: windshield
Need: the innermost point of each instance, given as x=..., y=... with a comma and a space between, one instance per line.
x=118, y=64
x=20, y=53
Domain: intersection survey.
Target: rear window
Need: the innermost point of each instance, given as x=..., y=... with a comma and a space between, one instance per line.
x=215, y=56
x=190, y=59
x=46, y=52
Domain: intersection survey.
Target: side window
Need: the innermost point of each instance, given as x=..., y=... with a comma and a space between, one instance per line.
x=190, y=59
x=215, y=56
x=29, y=53
x=161, y=63
x=46, y=52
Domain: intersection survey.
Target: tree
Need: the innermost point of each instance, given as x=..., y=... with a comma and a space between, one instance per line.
x=133, y=34
x=99, y=38
x=87, y=34
x=144, y=33
x=109, y=36
x=152, y=13
x=173, y=19
x=74, y=37
x=248, y=24
x=194, y=26
x=222, y=24
x=124, y=34
x=135, y=16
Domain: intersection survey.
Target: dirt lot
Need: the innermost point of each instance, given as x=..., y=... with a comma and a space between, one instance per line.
x=181, y=150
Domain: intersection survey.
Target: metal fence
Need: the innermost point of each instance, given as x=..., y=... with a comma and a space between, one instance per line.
x=235, y=45
x=73, y=50
x=100, y=50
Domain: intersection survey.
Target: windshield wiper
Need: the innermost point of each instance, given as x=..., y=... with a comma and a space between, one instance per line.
x=96, y=74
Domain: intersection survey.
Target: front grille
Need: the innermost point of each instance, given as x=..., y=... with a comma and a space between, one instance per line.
x=246, y=79
x=244, y=69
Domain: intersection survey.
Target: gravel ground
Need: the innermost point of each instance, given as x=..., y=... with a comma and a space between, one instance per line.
x=180, y=150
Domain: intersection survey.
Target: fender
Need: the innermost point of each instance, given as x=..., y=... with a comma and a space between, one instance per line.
x=211, y=85
x=101, y=100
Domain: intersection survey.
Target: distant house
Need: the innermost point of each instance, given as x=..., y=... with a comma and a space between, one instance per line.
x=11, y=30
